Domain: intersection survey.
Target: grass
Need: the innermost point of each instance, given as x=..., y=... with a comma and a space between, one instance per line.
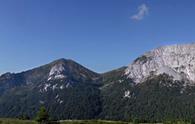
x=91, y=122
x=17, y=121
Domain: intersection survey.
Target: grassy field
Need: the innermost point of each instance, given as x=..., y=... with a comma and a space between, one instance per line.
x=92, y=122
x=16, y=121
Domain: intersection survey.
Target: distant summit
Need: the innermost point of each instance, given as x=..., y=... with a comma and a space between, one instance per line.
x=177, y=61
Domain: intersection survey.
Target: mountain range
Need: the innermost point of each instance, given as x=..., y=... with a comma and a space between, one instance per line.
x=158, y=85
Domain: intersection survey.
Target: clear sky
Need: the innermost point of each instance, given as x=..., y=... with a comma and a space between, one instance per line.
x=99, y=34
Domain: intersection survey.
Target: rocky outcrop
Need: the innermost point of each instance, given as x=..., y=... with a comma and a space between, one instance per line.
x=177, y=61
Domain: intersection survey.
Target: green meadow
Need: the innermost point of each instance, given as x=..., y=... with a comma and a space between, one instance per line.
x=17, y=121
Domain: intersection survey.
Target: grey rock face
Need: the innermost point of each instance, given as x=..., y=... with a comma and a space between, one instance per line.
x=177, y=61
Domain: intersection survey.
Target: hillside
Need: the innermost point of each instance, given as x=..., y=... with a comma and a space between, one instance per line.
x=155, y=87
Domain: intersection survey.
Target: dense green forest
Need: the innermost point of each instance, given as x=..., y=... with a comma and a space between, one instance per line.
x=147, y=102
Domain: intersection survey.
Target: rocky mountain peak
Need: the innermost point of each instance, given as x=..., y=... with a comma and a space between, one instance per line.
x=177, y=61
x=57, y=72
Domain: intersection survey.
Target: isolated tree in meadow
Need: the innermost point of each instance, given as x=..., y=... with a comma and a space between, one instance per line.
x=42, y=116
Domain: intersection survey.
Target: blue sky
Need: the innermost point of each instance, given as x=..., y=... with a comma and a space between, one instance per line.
x=99, y=34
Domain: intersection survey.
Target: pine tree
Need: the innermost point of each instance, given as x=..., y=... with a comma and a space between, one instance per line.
x=42, y=116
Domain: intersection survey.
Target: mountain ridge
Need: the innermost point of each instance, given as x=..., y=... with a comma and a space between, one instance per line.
x=71, y=91
x=175, y=59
